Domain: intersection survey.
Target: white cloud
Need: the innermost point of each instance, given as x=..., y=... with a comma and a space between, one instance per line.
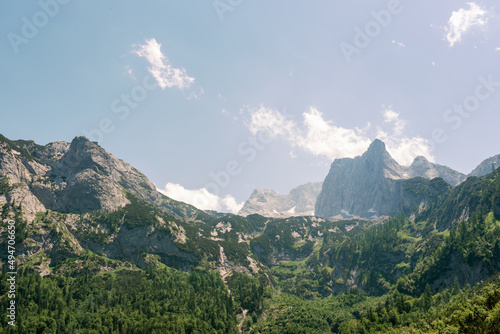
x=323, y=138
x=231, y=205
x=497, y=49
x=390, y=116
x=201, y=198
x=160, y=69
x=464, y=19
x=271, y=121
x=317, y=136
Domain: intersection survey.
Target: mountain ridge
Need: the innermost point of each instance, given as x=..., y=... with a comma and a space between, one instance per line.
x=75, y=177
x=269, y=203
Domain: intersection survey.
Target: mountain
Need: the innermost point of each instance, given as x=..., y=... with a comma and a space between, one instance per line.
x=487, y=166
x=76, y=177
x=299, y=202
x=421, y=167
x=373, y=185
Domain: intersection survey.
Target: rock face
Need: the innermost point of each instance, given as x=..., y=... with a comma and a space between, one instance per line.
x=74, y=177
x=421, y=167
x=77, y=177
x=373, y=185
x=299, y=202
x=487, y=166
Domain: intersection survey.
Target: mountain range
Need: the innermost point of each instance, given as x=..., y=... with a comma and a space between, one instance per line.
x=299, y=202
x=368, y=186
x=95, y=237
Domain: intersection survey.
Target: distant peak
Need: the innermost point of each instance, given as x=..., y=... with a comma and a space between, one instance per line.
x=80, y=139
x=420, y=159
x=378, y=154
x=377, y=146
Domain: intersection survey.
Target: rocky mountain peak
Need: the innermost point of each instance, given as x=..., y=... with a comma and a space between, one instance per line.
x=378, y=161
x=70, y=177
x=420, y=160
x=376, y=147
x=83, y=154
x=81, y=144
x=420, y=166
x=377, y=152
x=370, y=185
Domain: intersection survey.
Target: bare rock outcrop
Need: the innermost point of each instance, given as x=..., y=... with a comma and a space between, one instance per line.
x=374, y=184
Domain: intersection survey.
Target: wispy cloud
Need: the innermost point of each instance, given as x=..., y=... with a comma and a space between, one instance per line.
x=321, y=137
x=160, y=68
x=390, y=116
x=271, y=121
x=201, y=198
x=196, y=95
x=127, y=70
x=464, y=19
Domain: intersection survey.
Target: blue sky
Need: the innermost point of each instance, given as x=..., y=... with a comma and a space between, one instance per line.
x=211, y=99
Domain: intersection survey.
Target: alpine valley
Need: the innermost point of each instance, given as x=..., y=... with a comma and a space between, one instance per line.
x=375, y=248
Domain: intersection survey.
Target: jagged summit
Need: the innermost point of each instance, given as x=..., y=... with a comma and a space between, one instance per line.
x=81, y=139
x=420, y=159
x=377, y=152
x=377, y=146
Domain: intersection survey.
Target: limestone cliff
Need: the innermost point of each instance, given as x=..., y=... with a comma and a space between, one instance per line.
x=74, y=177
x=373, y=185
